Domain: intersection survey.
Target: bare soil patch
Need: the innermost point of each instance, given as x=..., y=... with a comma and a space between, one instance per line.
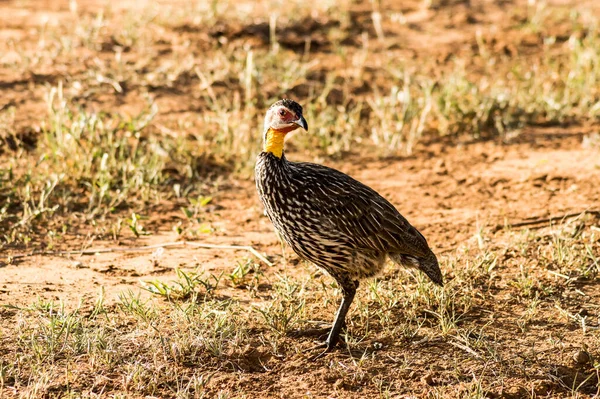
x=519, y=316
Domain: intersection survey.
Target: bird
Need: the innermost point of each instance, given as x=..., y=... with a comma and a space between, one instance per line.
x=330, y=219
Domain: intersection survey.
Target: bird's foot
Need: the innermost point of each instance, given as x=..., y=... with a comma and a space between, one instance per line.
x=327, y=347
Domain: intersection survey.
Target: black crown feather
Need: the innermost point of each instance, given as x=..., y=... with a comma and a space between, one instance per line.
x=289, y=104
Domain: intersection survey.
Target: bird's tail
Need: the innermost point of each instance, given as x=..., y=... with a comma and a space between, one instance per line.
x=427, y=264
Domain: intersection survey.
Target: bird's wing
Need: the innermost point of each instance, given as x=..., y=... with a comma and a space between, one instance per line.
x=358, y=212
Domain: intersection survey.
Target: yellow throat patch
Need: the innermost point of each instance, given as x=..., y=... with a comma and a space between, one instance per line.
x=274, y=142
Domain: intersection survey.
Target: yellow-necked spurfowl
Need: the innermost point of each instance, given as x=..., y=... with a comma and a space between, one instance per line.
x=332, y=220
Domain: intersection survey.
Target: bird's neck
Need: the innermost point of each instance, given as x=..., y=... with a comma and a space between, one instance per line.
x=274, y=142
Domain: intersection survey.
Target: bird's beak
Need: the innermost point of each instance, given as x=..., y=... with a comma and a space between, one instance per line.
x=301, y=122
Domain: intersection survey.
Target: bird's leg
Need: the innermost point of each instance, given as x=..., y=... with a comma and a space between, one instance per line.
x=340, y=318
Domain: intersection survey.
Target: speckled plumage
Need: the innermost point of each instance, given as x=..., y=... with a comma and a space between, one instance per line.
x=336, y=222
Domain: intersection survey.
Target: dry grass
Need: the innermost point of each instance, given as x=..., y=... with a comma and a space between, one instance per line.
x=93, y=159
x=153, y=107
x=173, y=344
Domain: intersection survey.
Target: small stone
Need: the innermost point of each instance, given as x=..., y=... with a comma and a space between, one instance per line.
x=582, y=357
x=515, y=391
x=440, y=168
x=428, y=379
x=541, y=388
x=338, y=384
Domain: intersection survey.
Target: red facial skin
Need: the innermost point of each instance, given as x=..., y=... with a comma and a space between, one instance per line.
x=283, y=119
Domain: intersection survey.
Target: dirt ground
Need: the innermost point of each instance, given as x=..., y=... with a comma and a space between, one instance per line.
x=459, y=194
x=450, y=193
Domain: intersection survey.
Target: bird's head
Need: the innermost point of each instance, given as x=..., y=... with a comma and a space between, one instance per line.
x=282, y=117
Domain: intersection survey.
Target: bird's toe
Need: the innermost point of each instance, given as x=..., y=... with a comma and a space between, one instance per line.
x=324, y=348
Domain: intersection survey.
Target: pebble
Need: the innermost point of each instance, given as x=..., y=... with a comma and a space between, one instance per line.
x=582, y=357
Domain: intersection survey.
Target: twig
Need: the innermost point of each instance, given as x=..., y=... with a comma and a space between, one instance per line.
x=560, y=275
x=146, y=248
x=465, y=348
x=548, y=219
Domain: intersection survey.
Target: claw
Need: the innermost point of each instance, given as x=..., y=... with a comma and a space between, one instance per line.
x=320, y=355
x=315, y=347
x=328, y=348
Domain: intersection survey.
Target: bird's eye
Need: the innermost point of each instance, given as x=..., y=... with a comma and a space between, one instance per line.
x=282, y=112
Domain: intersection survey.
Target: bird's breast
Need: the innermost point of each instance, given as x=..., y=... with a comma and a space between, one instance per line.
x=286, y=204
